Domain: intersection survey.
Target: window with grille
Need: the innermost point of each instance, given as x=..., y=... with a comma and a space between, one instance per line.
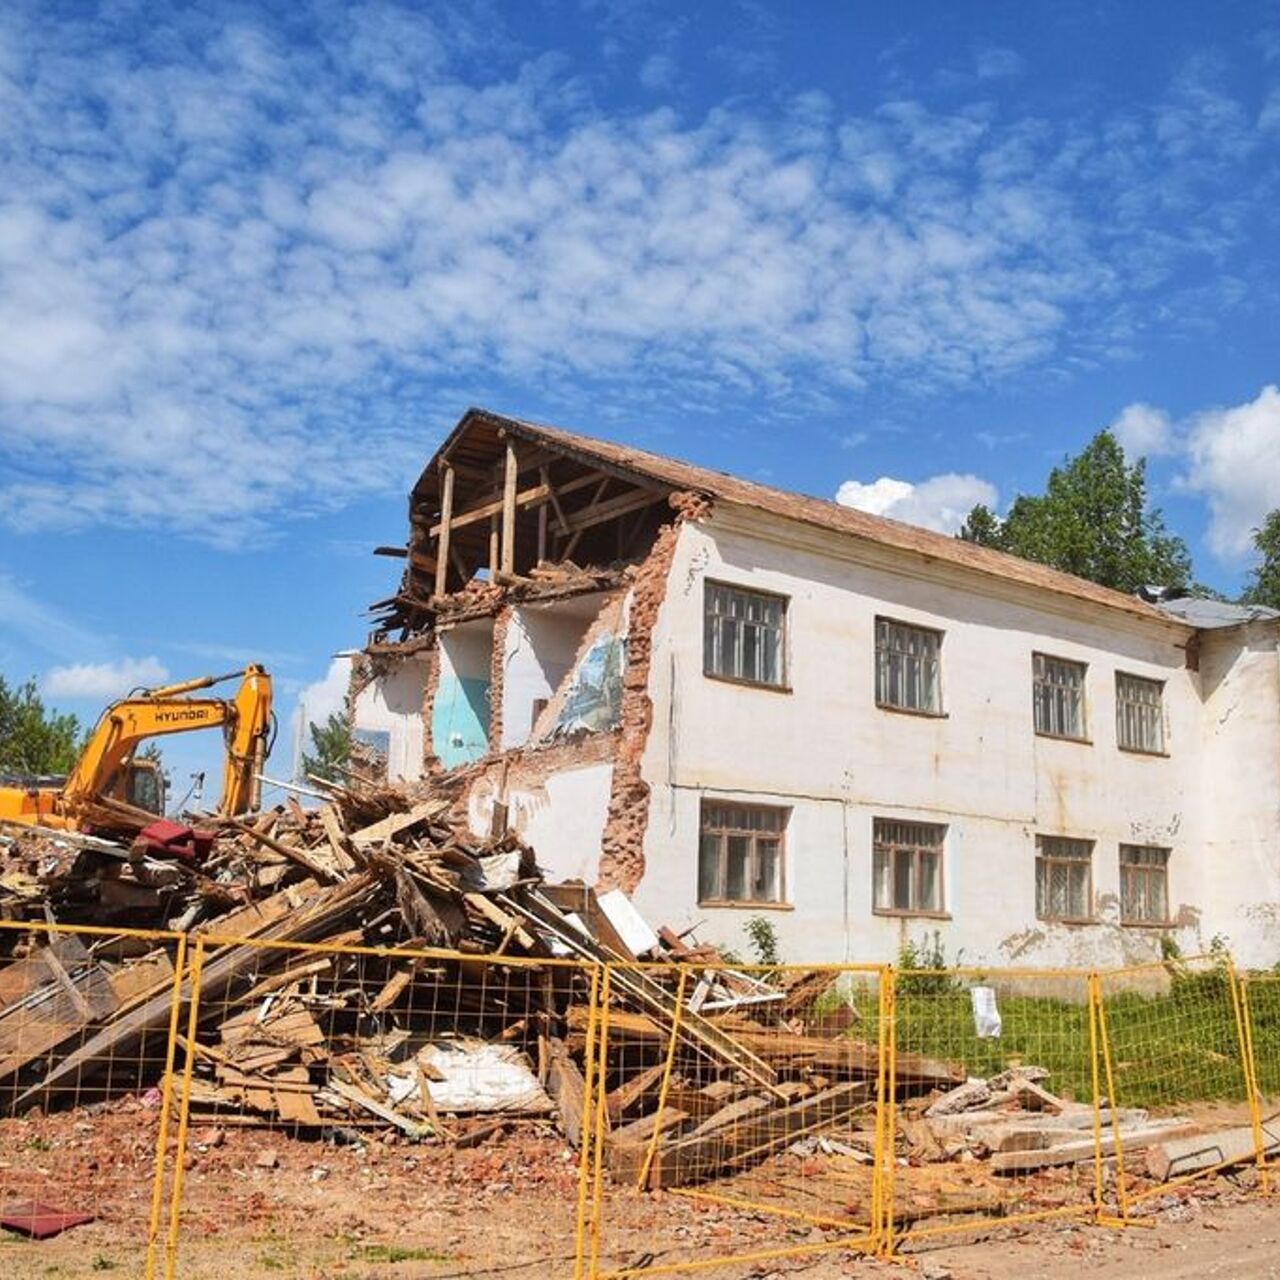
x=1139, y=713
x=740, y=853
x=1064, y=878
x=907, y=667
x=1144, y=884
x=743, y=635
x=907, y=866
x=1059, y=696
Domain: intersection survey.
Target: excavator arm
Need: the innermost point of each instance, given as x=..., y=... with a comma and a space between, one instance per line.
x=85, y=797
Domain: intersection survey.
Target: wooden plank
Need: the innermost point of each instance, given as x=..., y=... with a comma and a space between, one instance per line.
x=509, y=509
x=495, y=915
x=353, y=1094
x=393, y=825
x=300, y=856
x=837, y=1056
x=752, y=1134
x=566, y=1088
x=525, y=498
x=337, y=837
x=446, y=529
x=599, y=512
x=640, y=1088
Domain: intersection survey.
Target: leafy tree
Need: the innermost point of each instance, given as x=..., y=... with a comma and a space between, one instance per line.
x=332, y=743
x=1264, y=581
x=982, y=526
x=1092, y=520
x=33, y=739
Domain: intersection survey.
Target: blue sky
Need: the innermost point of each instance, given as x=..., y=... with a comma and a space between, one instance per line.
x=256, y=259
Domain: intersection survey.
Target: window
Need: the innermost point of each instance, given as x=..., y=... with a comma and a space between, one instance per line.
x=743, y=634
x=1144, y=884
x=1059, y=696
x=907, y=866
x=1064, y=878
x=1139, y=714
x=740, y=853
x=907, y=667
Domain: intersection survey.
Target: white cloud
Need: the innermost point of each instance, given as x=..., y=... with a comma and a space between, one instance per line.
x=1144, y=431
x=104, y=680
x=658, y=71
x=940, y=503
x=998, y=64
x=245, y=266
x=1234, y=460
x=320, y=699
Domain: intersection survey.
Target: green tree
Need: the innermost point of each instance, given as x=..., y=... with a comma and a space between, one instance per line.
x=1264, y=581
x=1092, y=520
x=982, y=526
x=332, y=743
x=33, y=739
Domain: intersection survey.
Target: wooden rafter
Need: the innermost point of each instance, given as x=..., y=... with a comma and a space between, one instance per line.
x=524, y=498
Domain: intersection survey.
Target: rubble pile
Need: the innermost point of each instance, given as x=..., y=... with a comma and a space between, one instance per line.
x=317, y=1009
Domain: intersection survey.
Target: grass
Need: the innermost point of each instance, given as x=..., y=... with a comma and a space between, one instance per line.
x=398, y=1253
x=1169, y=1047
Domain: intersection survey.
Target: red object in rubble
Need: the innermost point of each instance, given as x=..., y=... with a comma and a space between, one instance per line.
x=38, y=1220
x=165, y=839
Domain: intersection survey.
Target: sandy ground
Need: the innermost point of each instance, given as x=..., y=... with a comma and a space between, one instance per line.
x=265, y=1207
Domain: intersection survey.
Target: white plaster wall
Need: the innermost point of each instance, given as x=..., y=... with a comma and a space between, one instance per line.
x=1240, y=674
x=561, y=816
x=828, y=751
x=541, y=643
x=392, y=703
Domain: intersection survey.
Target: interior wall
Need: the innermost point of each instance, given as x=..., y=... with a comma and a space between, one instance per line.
x=387, y=718
x=541, y=643
x=460, y=709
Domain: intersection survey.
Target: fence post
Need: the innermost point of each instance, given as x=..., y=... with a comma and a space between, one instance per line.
x=601, y=1122
x=586, y=1134
x=166, y=1101
x=1244, y=1026
x=882, y=1228
x=184, y=1105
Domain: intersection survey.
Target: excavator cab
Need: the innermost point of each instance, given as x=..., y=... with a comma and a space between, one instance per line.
x=145, y=786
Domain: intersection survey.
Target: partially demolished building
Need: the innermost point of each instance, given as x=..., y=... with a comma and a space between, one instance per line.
x=733, y=701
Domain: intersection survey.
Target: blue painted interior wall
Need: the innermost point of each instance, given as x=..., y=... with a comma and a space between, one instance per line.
x=460, y=720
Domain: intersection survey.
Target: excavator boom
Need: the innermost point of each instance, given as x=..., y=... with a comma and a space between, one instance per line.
x=92, y=795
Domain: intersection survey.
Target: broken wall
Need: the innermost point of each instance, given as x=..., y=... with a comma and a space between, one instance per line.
x=387, y=716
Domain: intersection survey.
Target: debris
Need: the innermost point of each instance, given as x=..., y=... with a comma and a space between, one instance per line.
x=39, y=1221
x=1226, y=1147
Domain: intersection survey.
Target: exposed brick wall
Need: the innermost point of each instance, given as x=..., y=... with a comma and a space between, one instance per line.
x=430, y=761
x=622, y=844
x=498, y=675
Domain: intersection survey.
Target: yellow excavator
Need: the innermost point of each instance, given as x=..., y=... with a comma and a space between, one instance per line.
x=110, y=788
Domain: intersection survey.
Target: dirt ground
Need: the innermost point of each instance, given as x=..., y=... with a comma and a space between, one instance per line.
x=366, y=1206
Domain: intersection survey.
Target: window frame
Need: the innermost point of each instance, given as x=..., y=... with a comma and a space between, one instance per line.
x=754, y=834
x=1148, y=871
x=916, y=851
x=1049, y=860
x=936, y=712
x=782, y=684
x=1039, y=655
x=1159, y=685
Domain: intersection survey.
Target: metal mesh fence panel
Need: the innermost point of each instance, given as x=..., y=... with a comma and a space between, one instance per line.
x=347, y=1108
x=1260, y=1007
x=736, y=1116
x=992, y=1116
x=87, y=1017
x=1175, y=1075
